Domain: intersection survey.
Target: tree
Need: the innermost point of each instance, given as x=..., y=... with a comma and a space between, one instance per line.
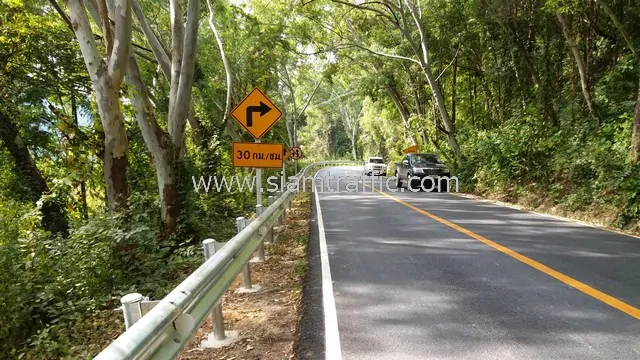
x=582, y=68
x=106, y=76
x=54, y=218
x=165, y=147
x=407, y=18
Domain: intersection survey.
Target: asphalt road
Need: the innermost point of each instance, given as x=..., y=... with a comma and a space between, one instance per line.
x=439, y=276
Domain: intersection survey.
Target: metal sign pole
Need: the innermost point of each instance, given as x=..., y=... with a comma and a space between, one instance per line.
x=283, y=179
x=258, y=183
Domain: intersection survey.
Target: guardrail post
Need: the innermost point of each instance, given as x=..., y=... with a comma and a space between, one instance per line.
x=241, y=223
x=210, y=246
x=259, y=210
x=131, y=308
x=284, y=209
x=271, y=201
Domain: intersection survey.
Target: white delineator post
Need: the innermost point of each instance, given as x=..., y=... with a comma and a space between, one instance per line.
x=131, y=308
x=210, y=246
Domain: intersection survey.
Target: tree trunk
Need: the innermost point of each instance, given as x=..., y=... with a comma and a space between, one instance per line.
x=353, y=146
x=54, y=218
x=584, y=81
x=618, y=24
x=160, y=149
x=183, y=57
x=84, y=210
x=106, y=78
x=446, y=121
x=454, y=74
x=402, y=109
x=225, y=62
x=425, y=64
x=472, y=101
x=115, y=143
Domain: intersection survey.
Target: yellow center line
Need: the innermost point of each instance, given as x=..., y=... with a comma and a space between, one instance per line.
x=597, y=294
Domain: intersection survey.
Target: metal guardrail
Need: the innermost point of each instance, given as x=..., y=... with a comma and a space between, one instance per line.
x=164, y=331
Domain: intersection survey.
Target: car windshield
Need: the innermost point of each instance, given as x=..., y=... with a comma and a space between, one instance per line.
x=424, y=159
x=376, y=161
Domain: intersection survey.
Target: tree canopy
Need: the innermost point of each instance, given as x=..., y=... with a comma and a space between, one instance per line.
x=111, y=110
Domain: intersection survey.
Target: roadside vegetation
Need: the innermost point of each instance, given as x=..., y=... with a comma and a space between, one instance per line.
x=534, y=102
x=266, y=321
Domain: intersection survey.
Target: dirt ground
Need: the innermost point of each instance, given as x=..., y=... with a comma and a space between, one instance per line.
x=267, y=321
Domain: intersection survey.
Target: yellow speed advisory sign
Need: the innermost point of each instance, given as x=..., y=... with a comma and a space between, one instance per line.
x=257, y=155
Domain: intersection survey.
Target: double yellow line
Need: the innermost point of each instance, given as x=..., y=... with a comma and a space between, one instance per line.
x=597, y=294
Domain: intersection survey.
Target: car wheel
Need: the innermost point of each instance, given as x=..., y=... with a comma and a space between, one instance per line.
x=398, y=181
x=412, y=184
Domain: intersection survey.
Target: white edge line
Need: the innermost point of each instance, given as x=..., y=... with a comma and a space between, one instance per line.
x=331, y=335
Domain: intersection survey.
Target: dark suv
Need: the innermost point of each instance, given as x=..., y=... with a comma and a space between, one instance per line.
x=420, y=166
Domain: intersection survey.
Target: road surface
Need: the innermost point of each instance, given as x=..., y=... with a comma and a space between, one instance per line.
x=439, y=276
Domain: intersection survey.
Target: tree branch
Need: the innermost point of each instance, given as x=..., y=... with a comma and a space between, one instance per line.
x=187, y=69
x=304, y=108
x=618, y=24
x=177, y=43
x=156, y=47
x=105, y=25
x=225, y=62
x=61, y=12
x=450, y=63
x=368, y=8
x=393, y=56
x=119, y=57
x=86, y=41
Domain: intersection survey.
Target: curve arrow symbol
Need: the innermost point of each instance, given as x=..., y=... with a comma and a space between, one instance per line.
x=262, y=109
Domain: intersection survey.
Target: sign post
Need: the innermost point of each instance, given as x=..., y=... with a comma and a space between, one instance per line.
x=258, y=182
x=257, y=114
x=286, y=154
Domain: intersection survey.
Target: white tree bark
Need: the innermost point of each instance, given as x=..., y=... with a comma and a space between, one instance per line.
x=122, y=41
x=156, y=47
x=159, y=145
x=183, y=60
x=225, y=62
x=177, y=46
x=106, y=80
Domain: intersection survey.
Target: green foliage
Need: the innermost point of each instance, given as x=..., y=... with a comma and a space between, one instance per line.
x=520, y=120
x=51, y=283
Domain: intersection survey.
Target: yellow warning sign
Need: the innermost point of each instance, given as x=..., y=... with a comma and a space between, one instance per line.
x=412, y=149
x=257, y=155
x=256, y=113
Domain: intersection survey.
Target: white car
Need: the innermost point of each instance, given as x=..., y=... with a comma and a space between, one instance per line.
x=375, y=166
